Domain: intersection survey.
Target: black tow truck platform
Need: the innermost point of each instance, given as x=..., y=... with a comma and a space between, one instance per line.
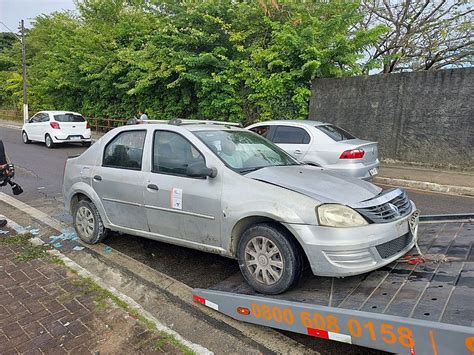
x=416, y=305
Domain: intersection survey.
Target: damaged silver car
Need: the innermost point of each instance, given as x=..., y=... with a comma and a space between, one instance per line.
x=225, y=190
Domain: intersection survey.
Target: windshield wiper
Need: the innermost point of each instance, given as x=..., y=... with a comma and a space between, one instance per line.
x=249, y=170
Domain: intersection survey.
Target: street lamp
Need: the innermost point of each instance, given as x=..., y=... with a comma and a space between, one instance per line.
x=23, y=55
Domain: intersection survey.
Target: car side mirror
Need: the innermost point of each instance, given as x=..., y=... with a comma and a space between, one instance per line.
x=200, y=170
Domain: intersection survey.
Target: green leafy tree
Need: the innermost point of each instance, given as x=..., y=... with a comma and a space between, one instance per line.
x=214, y=59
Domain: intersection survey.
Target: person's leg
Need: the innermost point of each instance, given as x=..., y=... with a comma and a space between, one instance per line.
x=3, y=221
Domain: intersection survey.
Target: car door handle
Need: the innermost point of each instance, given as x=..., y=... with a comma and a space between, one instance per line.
x=97, y=178
x=152, y=187
x=297, y=151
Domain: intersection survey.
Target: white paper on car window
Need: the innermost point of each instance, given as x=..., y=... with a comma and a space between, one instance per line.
x=177, y=198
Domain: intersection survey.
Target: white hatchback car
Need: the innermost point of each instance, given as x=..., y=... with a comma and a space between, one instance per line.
x=323, y=144
x=53, y=127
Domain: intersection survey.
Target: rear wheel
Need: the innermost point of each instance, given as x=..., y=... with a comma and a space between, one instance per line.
x=269, y=259
x=49, y=141
x=86, y=144
x=87, y=222
x=25, y=138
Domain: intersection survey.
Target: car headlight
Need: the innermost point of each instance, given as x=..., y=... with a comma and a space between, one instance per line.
x=335, y=215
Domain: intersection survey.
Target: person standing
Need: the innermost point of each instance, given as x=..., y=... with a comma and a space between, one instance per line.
x=143, y=116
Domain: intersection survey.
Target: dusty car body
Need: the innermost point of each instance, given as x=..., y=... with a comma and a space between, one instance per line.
x=269, y=217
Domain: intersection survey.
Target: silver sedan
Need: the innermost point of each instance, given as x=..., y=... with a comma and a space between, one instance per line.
x=225, y=190
x=323, y=144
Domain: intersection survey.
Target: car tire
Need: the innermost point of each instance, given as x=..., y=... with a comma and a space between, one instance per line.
x=280, y=268
x=86, y=144
x=24, y=137
x=88, y=223
x=49, y=141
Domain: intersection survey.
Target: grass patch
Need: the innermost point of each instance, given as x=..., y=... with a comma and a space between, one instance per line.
x=89, y=288
x=29, y=251
x=20, y=239
x=170, y=339
x=32, y=252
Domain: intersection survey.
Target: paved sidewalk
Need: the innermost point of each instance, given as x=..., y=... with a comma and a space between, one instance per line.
x=46, y=308
x=436, y=180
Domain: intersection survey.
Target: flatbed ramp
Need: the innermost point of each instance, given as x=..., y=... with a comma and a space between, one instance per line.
x=405, y=307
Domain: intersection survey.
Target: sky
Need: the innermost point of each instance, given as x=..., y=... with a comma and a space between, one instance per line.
x=12, y=11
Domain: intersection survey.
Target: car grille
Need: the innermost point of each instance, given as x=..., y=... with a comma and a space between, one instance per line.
x=388, y=249
x=396, y=208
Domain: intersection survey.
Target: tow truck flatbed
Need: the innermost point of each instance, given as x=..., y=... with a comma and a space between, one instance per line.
x=405, y=307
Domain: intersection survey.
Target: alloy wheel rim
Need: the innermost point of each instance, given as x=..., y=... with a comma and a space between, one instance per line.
x=264, y=260
x=85, y=222
x=25, y=138
x=48, y=141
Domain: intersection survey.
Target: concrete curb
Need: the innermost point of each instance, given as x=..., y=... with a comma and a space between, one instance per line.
x=427, y=186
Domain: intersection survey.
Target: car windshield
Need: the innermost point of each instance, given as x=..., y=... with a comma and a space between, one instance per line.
x=336, y=133
x=69, y=117
x=244, y=151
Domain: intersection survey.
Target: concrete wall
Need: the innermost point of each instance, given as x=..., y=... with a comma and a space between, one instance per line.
x=424, y=117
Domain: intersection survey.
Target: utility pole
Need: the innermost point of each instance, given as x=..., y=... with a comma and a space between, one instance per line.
x=23, y=54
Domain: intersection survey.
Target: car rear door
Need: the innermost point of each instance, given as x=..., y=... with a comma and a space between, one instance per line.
x=294, y=140
x=119, y=180
x=180, y=207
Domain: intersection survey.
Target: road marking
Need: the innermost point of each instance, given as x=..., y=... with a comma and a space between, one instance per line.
x=267, y=337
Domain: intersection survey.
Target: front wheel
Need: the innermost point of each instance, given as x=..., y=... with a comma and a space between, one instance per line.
x=25, y=138
x=49, y=141
x=87, y=222
x=269, y=258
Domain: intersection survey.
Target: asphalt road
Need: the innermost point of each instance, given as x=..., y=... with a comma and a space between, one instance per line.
x=40, y=172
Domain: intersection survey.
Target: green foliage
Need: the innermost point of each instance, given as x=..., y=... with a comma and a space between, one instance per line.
x=214, y=59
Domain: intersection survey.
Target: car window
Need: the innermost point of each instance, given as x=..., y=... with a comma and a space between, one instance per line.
x=261, y=130
x=244, y=151
x=290, y=135
x=69, y=117
x=336, y=133
x=125, y=151
x=34, y=119
x=172, y=153
x=43, y=117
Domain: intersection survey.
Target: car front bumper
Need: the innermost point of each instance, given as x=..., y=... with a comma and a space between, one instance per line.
x=341, y=252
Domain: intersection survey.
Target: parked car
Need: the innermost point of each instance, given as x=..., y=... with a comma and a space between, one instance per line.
x=323, y=144
x=226, y=190
x=53, y=127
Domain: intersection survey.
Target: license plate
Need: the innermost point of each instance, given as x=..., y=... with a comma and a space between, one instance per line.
x=75, y=138
x=413, y=222
x=373, y=171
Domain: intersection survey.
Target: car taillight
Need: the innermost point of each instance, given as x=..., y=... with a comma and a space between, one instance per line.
x=54, y=125
x=88, y=125
x=352, y=154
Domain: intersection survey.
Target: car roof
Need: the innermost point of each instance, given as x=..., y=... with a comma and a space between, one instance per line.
x=190, y=125
x=292, y=122
x=60, y=112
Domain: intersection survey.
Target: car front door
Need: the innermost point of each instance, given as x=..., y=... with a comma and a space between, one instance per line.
x=180, y=207
x=32, y=128
x=294, y=140
x=119, y=180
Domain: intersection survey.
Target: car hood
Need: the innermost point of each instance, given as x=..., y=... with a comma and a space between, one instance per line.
x=322, y=185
